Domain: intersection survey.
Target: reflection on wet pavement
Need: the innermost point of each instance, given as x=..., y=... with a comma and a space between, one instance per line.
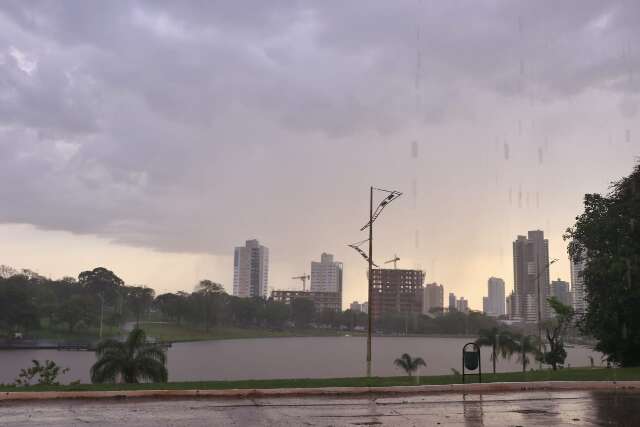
x=500, y=409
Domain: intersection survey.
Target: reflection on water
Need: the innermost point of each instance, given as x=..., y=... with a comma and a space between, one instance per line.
x=472, y=410
x=285, y=358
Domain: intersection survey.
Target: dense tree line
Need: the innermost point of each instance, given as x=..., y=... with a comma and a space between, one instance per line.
x=29, y=302
x=607, y=237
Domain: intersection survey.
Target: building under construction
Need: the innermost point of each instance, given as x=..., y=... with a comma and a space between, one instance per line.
x=397, y=291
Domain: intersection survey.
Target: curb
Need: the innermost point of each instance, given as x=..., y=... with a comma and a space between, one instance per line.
x=326, y=391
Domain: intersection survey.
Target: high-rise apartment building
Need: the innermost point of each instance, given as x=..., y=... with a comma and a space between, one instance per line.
x=530, y=271
x=462, y=305
x=578, y=291
x=494, y=305
x=452, y=301
x=433, y=298
x=560, y=290
x=326, y=276
x=396, y=291
x=251, y=270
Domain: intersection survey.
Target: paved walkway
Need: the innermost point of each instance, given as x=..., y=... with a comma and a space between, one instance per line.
x=617, y=408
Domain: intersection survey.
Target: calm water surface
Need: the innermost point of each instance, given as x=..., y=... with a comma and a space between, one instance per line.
x=307, y=357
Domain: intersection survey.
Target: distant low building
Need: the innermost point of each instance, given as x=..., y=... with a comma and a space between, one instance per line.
x=365, y=307
x=288, y=296
x=356, y=306
x=321, y=300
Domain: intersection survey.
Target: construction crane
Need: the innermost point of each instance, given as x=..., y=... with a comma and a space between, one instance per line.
x=394, y=261
x=304, y=279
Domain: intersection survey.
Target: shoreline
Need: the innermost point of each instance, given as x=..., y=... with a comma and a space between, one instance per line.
x=64, y=345
x=472, y=388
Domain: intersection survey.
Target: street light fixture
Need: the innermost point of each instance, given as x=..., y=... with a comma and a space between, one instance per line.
x=373, y=215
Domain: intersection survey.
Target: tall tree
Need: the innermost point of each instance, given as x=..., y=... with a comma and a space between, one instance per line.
x=210, y=295
x=500, y=340
x=302, y=311
x=139, y=299
x=101, y=281
x=524, y=345
x=75, y=310
x=607, y=236
x=555, y=330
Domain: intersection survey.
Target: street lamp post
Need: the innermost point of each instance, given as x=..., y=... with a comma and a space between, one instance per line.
x=370, y=283
x=392, y=195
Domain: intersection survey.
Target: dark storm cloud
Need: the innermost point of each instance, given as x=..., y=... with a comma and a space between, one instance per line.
x=153, y=123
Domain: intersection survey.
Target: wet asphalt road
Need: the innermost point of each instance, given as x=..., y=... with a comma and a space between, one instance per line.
x=500, y=409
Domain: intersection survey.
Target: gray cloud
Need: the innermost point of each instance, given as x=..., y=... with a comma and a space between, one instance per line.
x=192, y=125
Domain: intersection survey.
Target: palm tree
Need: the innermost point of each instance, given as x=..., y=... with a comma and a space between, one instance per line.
x=409, y=364
x=132, y=361
x=501, y=343
x=526, y=344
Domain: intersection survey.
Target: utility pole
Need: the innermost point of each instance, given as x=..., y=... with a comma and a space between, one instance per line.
x=101, y=313
x=370, y=302
x=373, y=214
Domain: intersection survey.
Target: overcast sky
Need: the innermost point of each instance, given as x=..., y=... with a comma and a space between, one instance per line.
x=153, y=137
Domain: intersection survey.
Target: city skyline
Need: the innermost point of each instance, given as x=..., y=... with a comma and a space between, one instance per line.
x=151, y=138
x=295, y=285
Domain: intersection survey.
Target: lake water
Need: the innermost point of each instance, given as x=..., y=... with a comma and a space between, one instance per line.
x=305, y=357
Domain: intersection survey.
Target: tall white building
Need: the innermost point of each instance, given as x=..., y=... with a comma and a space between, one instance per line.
x=326, y=275
x=433, y=298
x=578, y=293
x=494, y=303
x=251, y=270
x=530, y=270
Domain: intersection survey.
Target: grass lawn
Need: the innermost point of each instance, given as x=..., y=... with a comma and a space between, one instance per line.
x=177, y=333
x=572, y=374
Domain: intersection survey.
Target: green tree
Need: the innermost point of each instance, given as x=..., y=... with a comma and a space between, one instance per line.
x=17, y=309
x=102, y=281
x=409, y=364
x=302, y=311
x=209, y=295
x=500, y=340
x=139, y=299
x=555, y=330
x=75, y=310
x=607, y=237
x=245, y=310
x=524, y=345
x=276, y=314
x=174, y=306
x=131, y=361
